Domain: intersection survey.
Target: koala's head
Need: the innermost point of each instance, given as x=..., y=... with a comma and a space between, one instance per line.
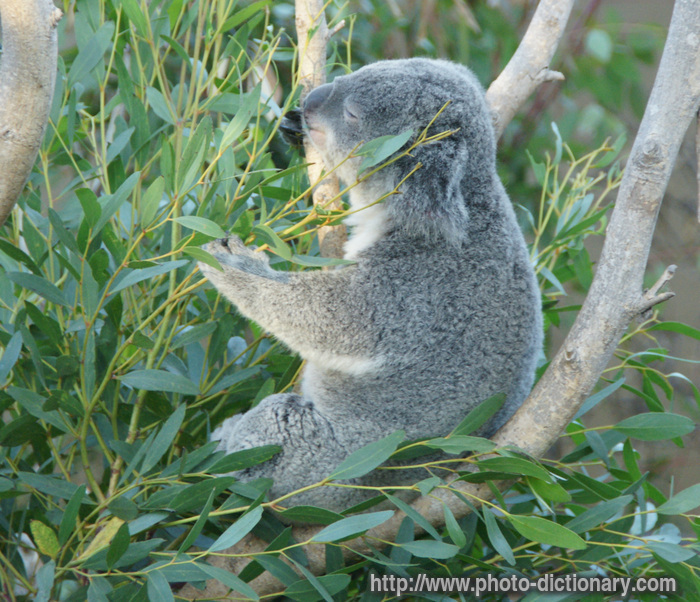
x=388, y=98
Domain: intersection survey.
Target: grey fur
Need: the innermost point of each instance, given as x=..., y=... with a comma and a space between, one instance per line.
x=440, y=311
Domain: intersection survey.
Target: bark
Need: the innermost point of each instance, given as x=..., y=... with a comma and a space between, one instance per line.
x=529, y=66
x=310, y=17
x=27, y=79
x=616, y=295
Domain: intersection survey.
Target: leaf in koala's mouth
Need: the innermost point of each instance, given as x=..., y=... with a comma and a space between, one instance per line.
x=292, y=130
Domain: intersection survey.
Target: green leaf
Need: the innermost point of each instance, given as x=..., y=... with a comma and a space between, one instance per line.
x=199, y=525
x=117, y=146
x=229, y=580
x=546, y=531
x=230, y=380
x=10, y=355
x=599, y=45
x=276, y=244
x=415, y=516
x=91, y=208
x=201, y=224
x=135, y=276
x=18, y=255
x=70, y=515
x=310, y=514
x=427, y=548
x=158, y=587
x=352, y=526
x=48, y=484
x=192, y=334
x=164, y=438
x=594, y=400
x=137, y=18
x=479, y=415
x=277, y=568
x=91, y=54
x=160, y=380
x=234, y=129
x=381, y=148
x=237, y=530
x=458, y=444
x=150, y=201
x=655, y=426
x=312, y=579
x=367, y=458
x=498, y=542
x=40, y=286
x=201, y=255
x=552, y=279
x=190, y=166
x=244, y=14
x=61, y=233
x=99, y=589
x=244, y=458
x=118, y=545
x=453, y=528
x=123, y=508
x=611, y=155
x=159, y=105
x=318, y=262
x=44, y=580
x=515, y=466
x=195, y=495
x=678, y=327
x=671, y=551
x=548, y=491
x=44, y=538
x=682, y=502
x=304, y=591
x=111, y=203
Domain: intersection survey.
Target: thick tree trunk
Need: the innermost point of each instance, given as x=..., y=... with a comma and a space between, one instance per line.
x=27, y=79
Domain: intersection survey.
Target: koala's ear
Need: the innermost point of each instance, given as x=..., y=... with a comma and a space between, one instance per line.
x=431, y=200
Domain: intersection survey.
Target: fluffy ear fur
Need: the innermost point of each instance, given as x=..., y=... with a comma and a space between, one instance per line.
x=431, y=201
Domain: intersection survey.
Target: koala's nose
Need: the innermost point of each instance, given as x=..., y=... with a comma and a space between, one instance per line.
x=317, y=97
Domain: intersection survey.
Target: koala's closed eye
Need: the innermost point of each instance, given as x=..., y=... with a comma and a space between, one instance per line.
x=351, y=112
x=440, y=310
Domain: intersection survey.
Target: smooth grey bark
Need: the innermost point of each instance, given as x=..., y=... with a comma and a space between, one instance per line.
x=615, y=298
x=529, y=66
x=27, y=79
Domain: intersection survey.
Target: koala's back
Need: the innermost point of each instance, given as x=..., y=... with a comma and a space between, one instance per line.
x=451, y=327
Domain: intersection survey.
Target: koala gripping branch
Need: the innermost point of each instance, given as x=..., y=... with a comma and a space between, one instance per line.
x=616, y=296
x=27, y=79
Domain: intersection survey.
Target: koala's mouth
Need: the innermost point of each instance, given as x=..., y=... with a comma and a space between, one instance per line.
x=296, y=125
x=317, y=135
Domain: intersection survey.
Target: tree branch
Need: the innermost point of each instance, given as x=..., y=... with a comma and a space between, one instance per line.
x=27, y=79
x=615, y=296
x=529, y=66
x=310, y=17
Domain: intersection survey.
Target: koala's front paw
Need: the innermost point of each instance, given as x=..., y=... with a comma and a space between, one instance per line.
x=232, y=253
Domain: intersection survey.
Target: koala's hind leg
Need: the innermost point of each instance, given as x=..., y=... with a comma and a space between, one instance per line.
x=308, y=443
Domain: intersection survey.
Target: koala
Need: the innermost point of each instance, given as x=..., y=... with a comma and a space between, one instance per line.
x=440, y=309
